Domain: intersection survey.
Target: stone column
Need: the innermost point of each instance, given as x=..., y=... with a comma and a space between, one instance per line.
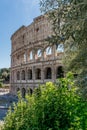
x=26, y=55
x=33, y=51
x=53, y=72
x=20, y=75
x=54, y=51
x=15, y=78
x=11, y=76
x=42, y=54
x=26, y=74
x=42, y=73
x=33, y=73
x=11, y=60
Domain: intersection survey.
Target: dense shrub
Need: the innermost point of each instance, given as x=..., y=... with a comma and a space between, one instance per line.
x=1, y=85
x=51, y=107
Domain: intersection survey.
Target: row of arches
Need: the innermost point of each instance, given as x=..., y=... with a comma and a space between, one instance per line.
x=47, y=74
x=37, y=54
x=23, y=91
x=48, y=51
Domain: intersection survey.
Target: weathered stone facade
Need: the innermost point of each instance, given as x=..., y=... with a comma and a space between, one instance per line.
x=33, y=60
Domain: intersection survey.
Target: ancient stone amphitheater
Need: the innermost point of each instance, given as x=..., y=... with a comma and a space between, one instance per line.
x=33, y=60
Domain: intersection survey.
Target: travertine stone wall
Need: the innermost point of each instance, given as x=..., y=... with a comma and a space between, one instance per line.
x=33, y=60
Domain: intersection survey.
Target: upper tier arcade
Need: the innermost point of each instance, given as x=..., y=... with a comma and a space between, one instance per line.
x=37, y=31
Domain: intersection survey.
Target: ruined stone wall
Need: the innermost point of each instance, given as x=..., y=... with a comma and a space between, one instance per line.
x=33, y=60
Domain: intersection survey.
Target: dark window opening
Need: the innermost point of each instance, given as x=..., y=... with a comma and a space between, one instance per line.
x=30, y=91
x=18, y=75
x=30, y=74
x=23, y=92
x=60, y=72
x=48, y=73
x=38, y=74
x=37, y=29
x=23, y=75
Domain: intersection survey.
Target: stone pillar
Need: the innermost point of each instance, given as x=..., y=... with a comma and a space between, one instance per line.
x=43, y=54
x=11, y=60
x=16, y=61
x=53, y=72
x=15, y=78
x=33, y=51
x=33, y=73
x=26, y=74
x=54, y=51
x=10, y=76
x=42, y=73
x=26, y=55
x=20, y=75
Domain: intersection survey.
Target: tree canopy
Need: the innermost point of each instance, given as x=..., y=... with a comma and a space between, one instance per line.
x=51, y=107
x=69, y=20
x=5, y=74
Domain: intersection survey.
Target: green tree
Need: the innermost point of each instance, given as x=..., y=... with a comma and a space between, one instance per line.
x=69, y=20
x=5, y=74
x=51, y=107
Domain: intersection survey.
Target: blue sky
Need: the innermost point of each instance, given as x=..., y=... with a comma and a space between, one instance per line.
x=13, y=14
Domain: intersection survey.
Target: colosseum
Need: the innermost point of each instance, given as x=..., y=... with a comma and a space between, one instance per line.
x=33, y=60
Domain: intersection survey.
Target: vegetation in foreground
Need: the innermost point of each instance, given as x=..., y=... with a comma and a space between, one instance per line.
x=51, y=107
x=69, y=20
x=4, y=77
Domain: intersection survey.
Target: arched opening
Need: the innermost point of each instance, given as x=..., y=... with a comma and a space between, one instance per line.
x=38, y=73
x=24, y=57
x=23, y=92
x=39, y=53
x=31, y=55
x=30, y=91
x=18, y=75
x=29, y=74
x=60, y=47
x=48, y=73
x=60, y=72
x=23, y=75
x=48, y=50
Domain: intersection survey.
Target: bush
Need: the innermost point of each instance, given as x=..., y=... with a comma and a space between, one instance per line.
x=51, y=107
x=1, y=85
